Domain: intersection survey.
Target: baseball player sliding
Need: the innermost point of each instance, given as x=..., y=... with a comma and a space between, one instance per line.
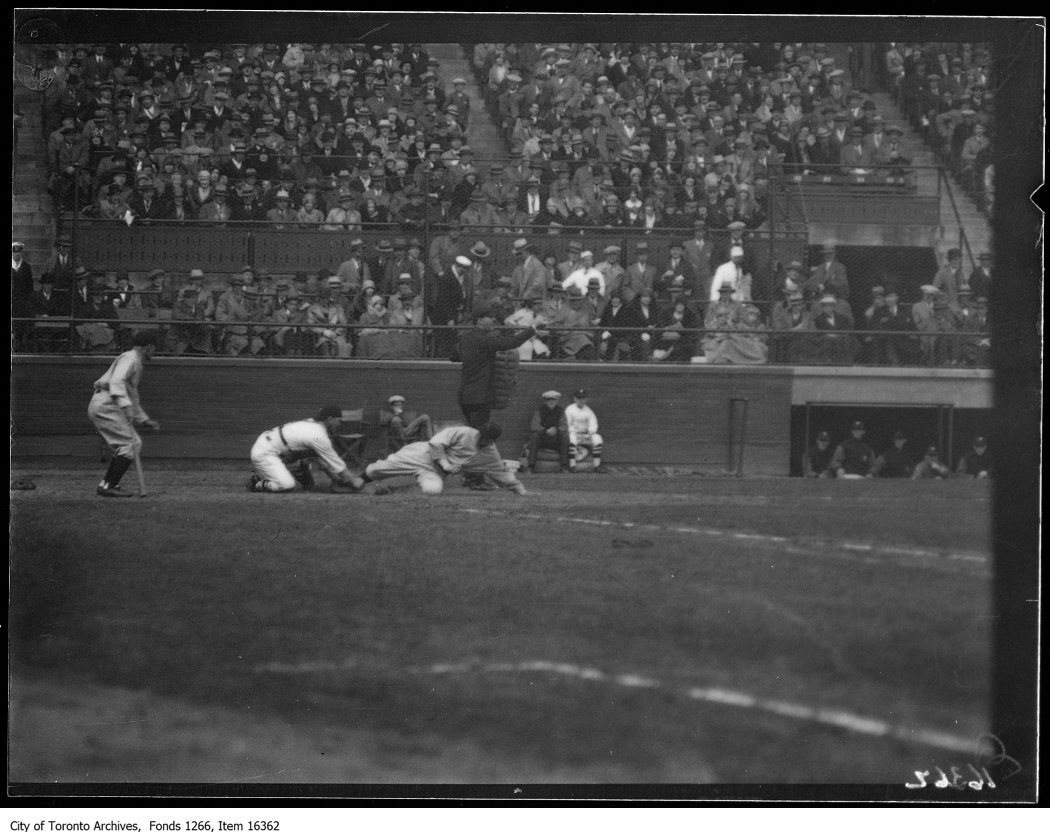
x=115, y=411
x=307, y=438
x=450, y=451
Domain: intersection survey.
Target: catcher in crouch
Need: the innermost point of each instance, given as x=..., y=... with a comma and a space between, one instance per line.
x=450, y=451
x=293, y=441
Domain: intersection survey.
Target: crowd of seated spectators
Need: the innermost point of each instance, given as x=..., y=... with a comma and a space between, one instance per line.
x=943, y=90
x=329, y=136
x=620, y=138
x=681, y=127
x=385, y=301
x=349, y=136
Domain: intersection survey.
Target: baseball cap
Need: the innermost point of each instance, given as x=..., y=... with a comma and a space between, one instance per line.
x=551, y=394
x=824, y=436
x=858, y=425
x=395, y=399
x=580, y=394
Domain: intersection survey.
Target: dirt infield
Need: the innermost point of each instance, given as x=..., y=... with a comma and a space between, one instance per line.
x=618, y=629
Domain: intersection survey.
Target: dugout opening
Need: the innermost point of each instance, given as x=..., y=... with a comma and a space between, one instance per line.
x=950, y=428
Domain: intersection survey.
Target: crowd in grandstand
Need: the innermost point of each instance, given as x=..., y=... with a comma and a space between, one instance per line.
x=944, y=92
x=601, y=139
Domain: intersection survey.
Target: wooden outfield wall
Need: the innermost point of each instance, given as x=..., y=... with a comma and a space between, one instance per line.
x=649, y=415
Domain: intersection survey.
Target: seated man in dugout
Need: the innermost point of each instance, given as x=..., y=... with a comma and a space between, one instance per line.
x=404, y=427
x=549, y=430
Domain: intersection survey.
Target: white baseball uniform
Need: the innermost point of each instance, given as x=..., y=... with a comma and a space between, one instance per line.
x=456, y=447
x=117, y=389
x=583, y=430
x=306, y=436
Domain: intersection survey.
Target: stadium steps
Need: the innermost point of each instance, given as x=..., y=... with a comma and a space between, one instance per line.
x=482, y=135
x=974, y=223
x=32, y=219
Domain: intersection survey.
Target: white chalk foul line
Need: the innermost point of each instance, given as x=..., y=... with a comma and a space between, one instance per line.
x=717, y=696
x=720, y=696
x=752, y=537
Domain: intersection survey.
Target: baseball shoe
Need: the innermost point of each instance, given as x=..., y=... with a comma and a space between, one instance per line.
x=481, y=486
x=251, y=482
x=572, y=469
x=112, y=491
x=600, y=470
x=383, y=490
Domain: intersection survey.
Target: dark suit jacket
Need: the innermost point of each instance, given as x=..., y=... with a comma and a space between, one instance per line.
x=477, y=350
x=53, y=305
x=22, y=291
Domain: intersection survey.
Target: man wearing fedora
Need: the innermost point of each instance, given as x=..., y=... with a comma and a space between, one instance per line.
x=354, y=270
x=328, y=318
x=530, y=277
x=829, y=276
x=195, y=303
x=235, y=309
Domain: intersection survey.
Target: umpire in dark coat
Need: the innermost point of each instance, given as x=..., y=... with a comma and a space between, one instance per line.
x=477, y=350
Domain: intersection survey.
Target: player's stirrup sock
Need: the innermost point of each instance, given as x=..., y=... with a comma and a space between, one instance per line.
x=117, y=466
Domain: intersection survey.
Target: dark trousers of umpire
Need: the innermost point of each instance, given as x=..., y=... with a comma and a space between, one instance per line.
x=476, y=416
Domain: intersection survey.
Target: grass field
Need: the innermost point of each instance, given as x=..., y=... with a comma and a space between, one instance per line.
x=616, y=629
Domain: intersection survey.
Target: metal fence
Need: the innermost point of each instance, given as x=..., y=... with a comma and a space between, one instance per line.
x=737, y=344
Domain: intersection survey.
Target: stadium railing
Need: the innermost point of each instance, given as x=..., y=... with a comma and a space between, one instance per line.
x=428, y=342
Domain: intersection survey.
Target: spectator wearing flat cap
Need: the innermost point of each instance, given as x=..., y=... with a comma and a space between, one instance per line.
x=158, y=294
x=549, y=430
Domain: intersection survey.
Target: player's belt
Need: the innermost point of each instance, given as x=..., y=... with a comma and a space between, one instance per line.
x=280, y=432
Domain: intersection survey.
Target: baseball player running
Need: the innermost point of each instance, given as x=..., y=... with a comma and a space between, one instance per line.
x=450, y=451
x=115, y=411
x=299, y=440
